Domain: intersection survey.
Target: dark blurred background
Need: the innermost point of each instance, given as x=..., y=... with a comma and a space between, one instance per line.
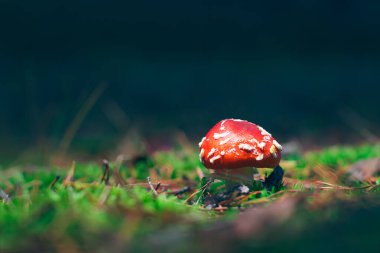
x=303, y=69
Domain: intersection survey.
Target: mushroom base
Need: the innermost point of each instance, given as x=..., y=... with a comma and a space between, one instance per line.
x=232, y=177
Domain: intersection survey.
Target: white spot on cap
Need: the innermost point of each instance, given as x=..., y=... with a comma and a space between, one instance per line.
x=218, y=136
x=224, y=141
x=273, y=150
x=266, y=138
x=260, y=157
x=222, y=125
x=213, y=159
x=212, y=151
x=232, y=150
x=237, y=120
x=203, y=139
x=201, y=154
x=263, y=131
x=277, y=145
x=222, y=153
x=261, y=145
x=255, y=141
x=246, y=147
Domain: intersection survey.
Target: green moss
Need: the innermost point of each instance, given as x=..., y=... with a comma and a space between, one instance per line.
x=340, y=156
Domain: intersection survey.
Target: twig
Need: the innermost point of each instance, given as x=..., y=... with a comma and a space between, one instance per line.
x=81, y=115
x=54, y=182
x=151, y=186
x=182, y=191
x=373, y=187
x=256, y=201
x=203, y=191
x=339, y=187
x=358, y=123
x=220, y=208
x=104, y=196
x=145, y=184
x=196, y=192
x=238, y=200
x=158, y=186
x=106, y=172
x=70, y=175
x=118, y=178
x=200, y=173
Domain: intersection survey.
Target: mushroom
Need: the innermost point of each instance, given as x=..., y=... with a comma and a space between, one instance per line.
x=233, y=150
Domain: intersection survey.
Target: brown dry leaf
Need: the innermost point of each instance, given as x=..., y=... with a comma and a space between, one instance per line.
x=364, y=169
x=255, y=220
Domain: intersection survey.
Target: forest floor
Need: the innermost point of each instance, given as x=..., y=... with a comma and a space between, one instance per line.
x=164, y=202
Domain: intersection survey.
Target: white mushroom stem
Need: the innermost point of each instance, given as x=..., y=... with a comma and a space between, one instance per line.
x=233, y=176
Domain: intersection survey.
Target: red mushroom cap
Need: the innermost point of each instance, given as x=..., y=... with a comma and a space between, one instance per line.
x=235, y=143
